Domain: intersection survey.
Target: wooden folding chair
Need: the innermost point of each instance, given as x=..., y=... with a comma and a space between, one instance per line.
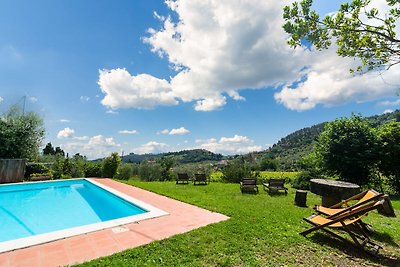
x=349, y=222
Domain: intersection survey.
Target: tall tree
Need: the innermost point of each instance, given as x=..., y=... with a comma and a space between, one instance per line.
x=348, y=148
x=49, y=149
x=358, y=29
x=390, y=153
x=20, y=134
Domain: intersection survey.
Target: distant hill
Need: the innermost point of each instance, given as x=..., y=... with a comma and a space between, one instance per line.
x=185, y=156
x=292, y=148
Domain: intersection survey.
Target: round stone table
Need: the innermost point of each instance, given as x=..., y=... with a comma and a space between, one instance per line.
x=333, y=191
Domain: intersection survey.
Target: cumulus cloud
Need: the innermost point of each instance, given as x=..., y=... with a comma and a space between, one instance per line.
x=221, y=47
x=229, y=145
x=128, y=132
x=388, y=111
x=389, y=103
x=96, y=147
x=151, y=147
x=1, y=99
x=123, y=90
x=177, y=131
x=217, y=48
x=68, y=133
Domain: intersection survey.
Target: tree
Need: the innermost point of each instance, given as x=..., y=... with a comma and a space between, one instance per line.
x=49, y=150
x=348, y=148
x=110, y=165
x=236, y=170
x=20, y=134
x=389, y=165
x=59, y=151
x=166, y=163
x=359, y=31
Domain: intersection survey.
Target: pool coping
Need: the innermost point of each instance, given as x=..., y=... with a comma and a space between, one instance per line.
x=151, y=212
x=182, y=218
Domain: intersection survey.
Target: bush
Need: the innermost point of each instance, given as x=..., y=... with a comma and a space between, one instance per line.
x=110, y=165
x=32, y=168
x=20, y=134
x=302, y=180
x=235, y=171
x=150, y=172
x=92, y=169
x=125, y=171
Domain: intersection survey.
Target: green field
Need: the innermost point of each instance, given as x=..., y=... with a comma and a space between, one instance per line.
x=262, y=231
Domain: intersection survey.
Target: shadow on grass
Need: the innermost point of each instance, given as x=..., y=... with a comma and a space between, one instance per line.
x=385, y=238
x=352, y=251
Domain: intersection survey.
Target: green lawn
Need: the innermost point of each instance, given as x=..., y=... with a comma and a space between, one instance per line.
x=262, y=231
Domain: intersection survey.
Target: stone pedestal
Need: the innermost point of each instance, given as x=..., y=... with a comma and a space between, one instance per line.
x=301, y=198
x=333, y=191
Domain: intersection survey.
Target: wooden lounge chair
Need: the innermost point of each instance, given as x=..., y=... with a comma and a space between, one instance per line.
x=183, y=178
x=275, y=185
x=248, y=184
x=200, y=178
x=348, y=222
x=345, y=205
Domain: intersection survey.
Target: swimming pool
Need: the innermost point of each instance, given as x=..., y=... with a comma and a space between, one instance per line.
x=33, y=213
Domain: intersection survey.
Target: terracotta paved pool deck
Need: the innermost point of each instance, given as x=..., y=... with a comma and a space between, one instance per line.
x=182, y=218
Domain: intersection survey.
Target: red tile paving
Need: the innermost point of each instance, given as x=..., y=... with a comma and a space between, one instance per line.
x=182, y=218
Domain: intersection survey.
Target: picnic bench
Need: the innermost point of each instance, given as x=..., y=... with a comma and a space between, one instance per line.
x=200, y=178
x=275, y=185
x=183, y=178
x=248, y=184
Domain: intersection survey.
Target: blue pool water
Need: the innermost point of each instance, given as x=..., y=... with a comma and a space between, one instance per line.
x=37, y=208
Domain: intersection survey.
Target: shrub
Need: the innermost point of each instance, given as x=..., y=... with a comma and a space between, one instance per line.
x=235, y=171
x=110, y=165
x=302, y=180
x=92, y=169
x=150, y=171
x=125, y=171
x=32, y=168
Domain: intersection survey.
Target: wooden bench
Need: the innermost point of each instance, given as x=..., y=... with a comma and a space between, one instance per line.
x=248, y=184
x=200, y=178
x=183, y=178
x=275, y=185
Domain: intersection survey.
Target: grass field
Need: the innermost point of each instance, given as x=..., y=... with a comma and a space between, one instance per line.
x=262, y=231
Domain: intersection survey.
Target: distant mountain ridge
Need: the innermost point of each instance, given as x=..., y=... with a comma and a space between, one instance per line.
x=288, y=151
x=292, y=148
x=184, y=156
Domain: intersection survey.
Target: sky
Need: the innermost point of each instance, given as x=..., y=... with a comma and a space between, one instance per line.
x=149, y=76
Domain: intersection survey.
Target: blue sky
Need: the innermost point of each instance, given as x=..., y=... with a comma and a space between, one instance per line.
x=147, y=76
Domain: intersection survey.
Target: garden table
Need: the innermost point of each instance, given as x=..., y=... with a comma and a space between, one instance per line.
x=333, y=191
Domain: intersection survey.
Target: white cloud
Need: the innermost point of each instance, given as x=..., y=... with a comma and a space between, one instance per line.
x=151, y=147
x=387, y=111
x=220, y=47
x=65, y=133
x=217, y=47
x=32, y=99
x=329, y=82
x=96, y=147
x=123, y=90
x=68, y=133
x=390, y=103
x=128, y=132
x=179, y=131
x=1, y=99
x=64, y=120
x=229, y=145
x=110, y=111
x=84, y=98
x=165, y=131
